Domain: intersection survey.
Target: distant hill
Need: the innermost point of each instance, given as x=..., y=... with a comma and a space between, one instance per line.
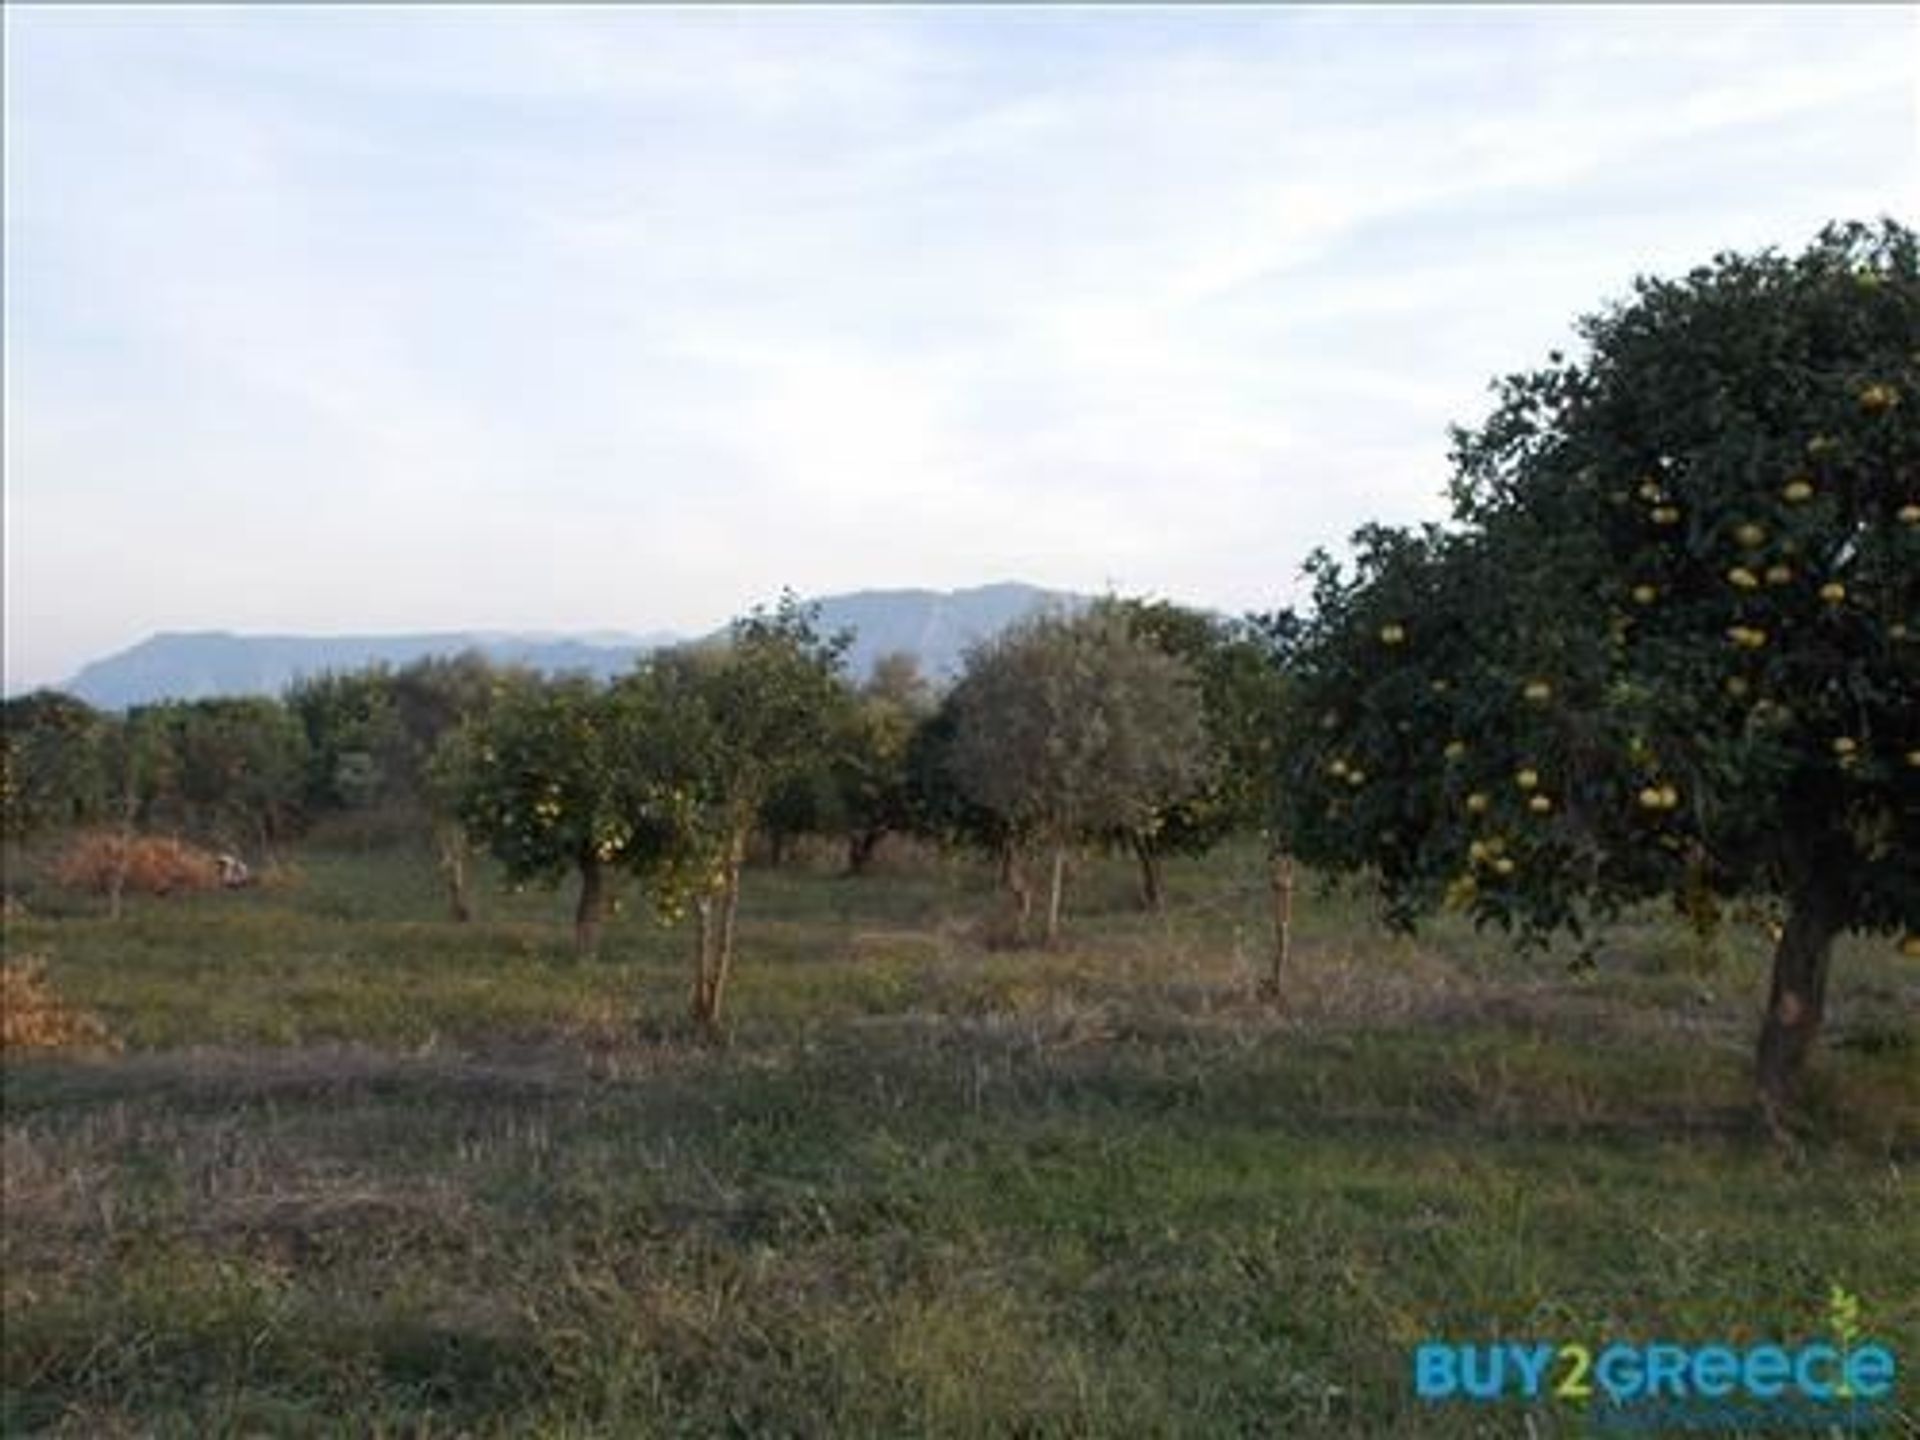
x=194, y=665
x=934, y=626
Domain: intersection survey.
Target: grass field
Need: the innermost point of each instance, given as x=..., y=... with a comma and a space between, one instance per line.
x=359, y=1171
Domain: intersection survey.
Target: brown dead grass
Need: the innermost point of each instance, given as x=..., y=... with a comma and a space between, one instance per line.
x=34, y=1017
x=144, y=864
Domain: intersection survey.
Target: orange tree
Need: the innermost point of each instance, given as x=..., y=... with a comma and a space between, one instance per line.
x=708, y=735
x=1668, y=644
x=538, y=781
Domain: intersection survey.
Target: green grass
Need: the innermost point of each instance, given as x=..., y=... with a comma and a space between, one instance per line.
x=361, y=1171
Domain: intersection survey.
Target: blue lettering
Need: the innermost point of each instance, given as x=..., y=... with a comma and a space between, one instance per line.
x=1618, y=1370
x=1870, y=1371
x=1803, y=1363
x=1715, y=1368
x=1531, y=1361
x=1766, y=1371
x=1666, y=1370
x=1434, y=1376
x=1483, y=1381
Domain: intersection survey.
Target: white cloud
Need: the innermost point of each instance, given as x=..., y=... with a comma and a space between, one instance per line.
x=396, y=318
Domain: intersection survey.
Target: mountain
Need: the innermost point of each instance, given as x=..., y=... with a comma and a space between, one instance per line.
x=936, y=627
x=197, y=664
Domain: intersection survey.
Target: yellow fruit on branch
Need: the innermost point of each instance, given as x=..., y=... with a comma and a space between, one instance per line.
x=1527, y=779
x=1455, y=749
x=1742, y=578
x=1393, y=634
x=1797, y=491
x=1908, y=514
x=1779, y=574
x=1503, y=865
x=1750, y=536
x=1538, y=691
x=1833, y=592
x=1877, y=398
x=1540, y=805
x=1845, y=745
x=1645, y=594
x=1477, y=803
x=1664, y=515
x=1747, y=637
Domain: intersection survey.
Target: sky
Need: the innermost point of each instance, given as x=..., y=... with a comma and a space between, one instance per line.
x=390, y=319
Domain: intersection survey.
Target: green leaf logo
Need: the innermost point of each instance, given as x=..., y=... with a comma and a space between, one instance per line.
x=1843, y=1316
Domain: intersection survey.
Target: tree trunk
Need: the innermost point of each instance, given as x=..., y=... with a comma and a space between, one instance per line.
x=122, y=862
x=1280, y=882
x=703, y=1006
x=453, y=865
x=592, y=909
x=729, y=923
x=117, y=881
x=860, y=847
x=1152, y=894
x=718, y=917
x=1057, y=888
x=1014, y=876
x=1797, y=1001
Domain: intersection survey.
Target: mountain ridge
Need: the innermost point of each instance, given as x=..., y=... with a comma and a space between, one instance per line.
x=935, y=626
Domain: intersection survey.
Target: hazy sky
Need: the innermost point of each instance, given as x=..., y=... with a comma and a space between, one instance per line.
x=423, y=318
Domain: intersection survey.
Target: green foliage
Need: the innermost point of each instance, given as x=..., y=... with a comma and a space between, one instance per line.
x=1235, y=662
x=713, y=734
x=238, y=768
x=1673, y=628
x=356, y=746
x=856, y=786
x=1071, y=727
x=372, y=732
x=540, y=781
x=52, y=762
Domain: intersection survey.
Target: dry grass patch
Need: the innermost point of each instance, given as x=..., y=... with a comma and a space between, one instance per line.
x=34, y=1017
x=138, y=864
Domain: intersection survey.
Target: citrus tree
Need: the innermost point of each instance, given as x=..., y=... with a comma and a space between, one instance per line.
x=539, y=780
x=1668, y=644
x=708, y=735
